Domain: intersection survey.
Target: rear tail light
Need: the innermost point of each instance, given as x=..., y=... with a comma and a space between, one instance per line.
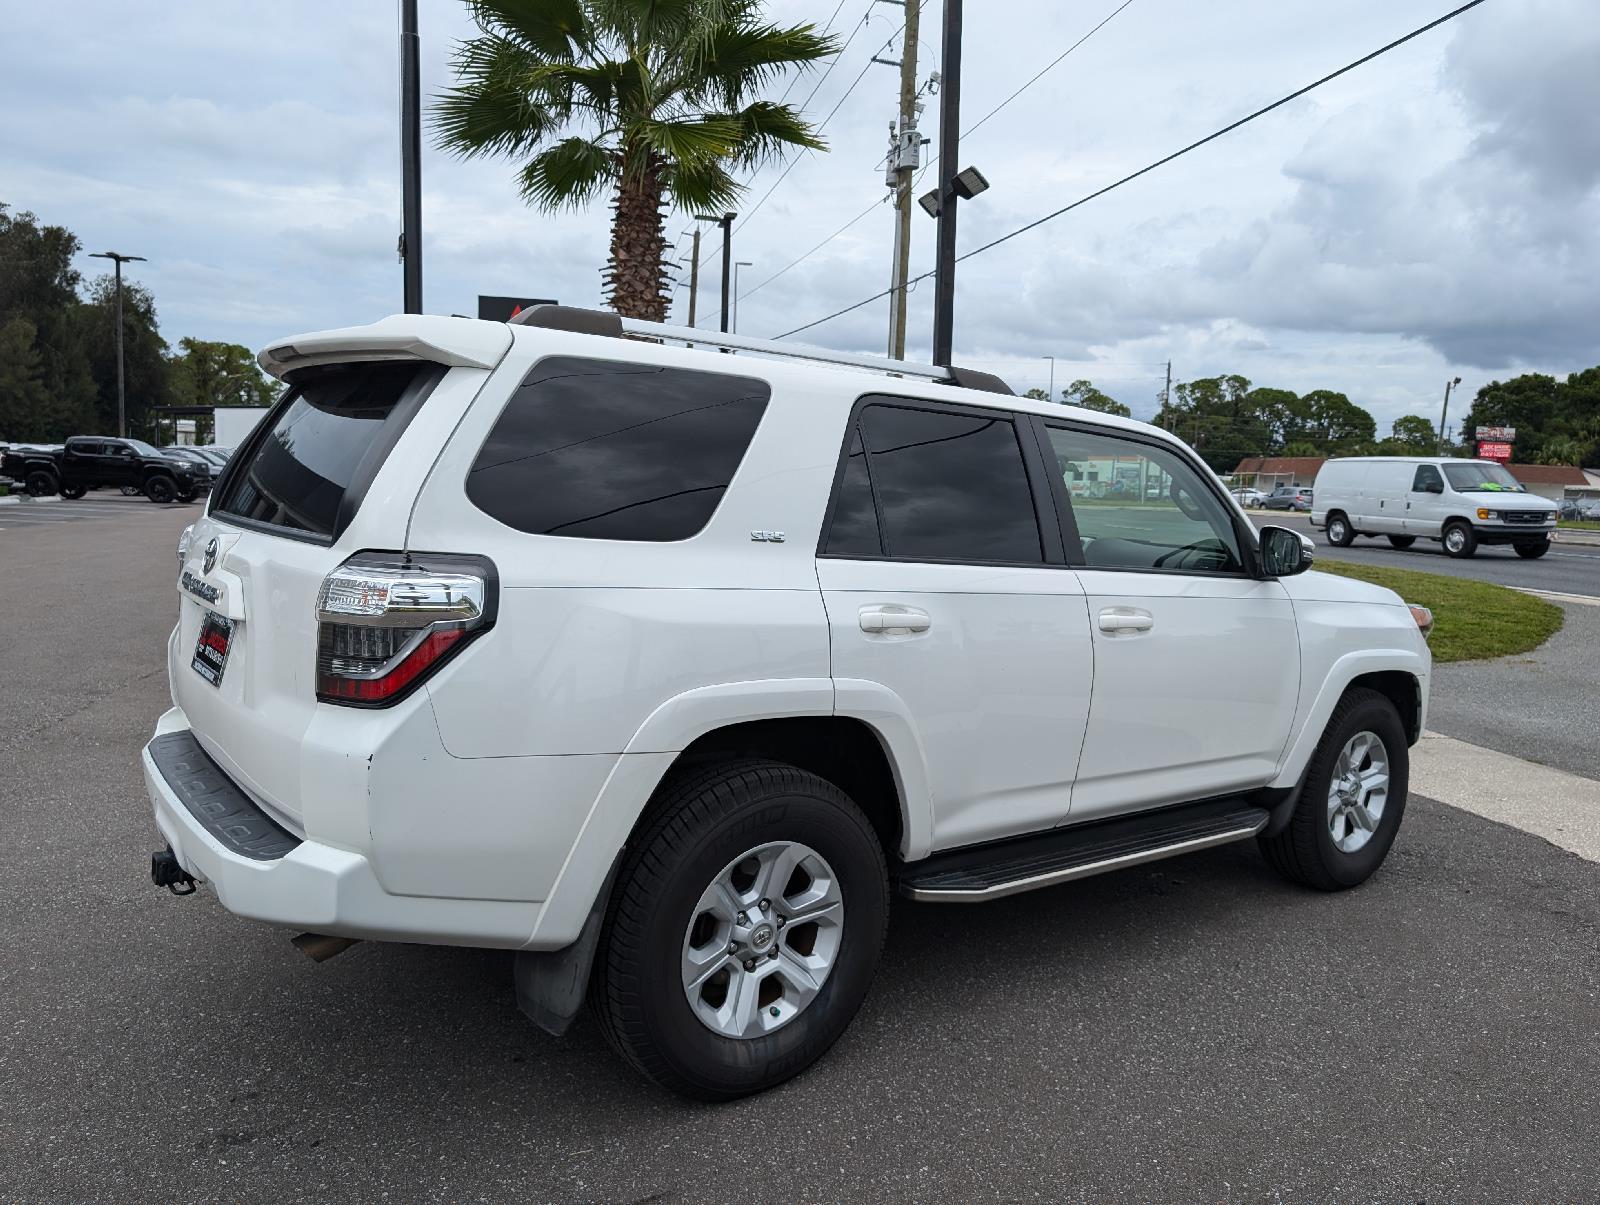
x=387, y=620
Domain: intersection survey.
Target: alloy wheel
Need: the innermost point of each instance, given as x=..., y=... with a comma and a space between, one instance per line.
x=1358, y=791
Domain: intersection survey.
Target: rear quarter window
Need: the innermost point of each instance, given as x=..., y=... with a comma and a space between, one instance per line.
x=601, y=450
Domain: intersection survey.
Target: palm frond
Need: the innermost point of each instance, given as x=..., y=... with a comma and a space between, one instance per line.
x=702, y=187
x=739, y=59
x=551, y=27
x=695, y=140
x=497, y=107
x=568, y=174
x=767, y=129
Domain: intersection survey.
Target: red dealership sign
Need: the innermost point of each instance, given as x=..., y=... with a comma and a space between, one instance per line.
x=1494, y=451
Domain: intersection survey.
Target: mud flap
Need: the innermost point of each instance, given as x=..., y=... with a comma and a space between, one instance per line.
x=551, y=984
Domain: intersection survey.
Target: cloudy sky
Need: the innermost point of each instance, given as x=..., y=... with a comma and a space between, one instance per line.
x=1434, y=213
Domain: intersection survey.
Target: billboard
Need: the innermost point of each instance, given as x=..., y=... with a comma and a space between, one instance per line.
x=1493, y=450
x=1499, y=435
x=504, y=309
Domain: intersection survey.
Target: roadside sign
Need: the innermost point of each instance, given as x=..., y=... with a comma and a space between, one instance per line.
x=504, y=309
x=1493, y=450
x=1499, y=435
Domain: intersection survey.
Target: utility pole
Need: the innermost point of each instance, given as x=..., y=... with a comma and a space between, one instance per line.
x=1052, y=390
x=1448, y=386
x=694, y=274
x=944, y=280
x=905, y=154
x=117, y=258
x=1166, y=394
x=410, y=156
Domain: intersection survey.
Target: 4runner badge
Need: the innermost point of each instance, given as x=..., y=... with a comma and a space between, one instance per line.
x=769, y=537
x=204, y=591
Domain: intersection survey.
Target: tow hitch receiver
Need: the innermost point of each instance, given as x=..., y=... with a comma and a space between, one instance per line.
x=165, y=871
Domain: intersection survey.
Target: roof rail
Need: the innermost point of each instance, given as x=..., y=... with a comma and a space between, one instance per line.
x=599, y=322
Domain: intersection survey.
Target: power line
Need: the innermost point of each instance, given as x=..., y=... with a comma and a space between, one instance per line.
x=929, y=165
x=795, y=78
x=1212, y=137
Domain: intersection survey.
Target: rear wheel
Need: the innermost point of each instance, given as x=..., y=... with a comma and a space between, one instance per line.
x=1339, y=533
x=1459, y=541
x=743, y=932
x=186, y=495
x=160, y=489
x=1532, y=551
x=40, y=483
x=1402, y=541
x=1351, y=799
x=74, y=492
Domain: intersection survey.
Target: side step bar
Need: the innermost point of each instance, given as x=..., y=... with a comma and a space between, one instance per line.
x=989, y=872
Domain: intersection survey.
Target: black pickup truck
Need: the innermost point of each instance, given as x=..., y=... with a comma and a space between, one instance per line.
x=91, y=461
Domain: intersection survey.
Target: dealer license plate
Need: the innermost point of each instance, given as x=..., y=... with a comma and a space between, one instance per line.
x=211, y=650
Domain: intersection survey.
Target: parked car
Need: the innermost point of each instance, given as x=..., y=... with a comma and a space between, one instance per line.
x=665, y=669
x=88, y=462
x=203, y=464
x=1458, y=503
x=1249, y=497
x=1586, y=509
x=1288, y=497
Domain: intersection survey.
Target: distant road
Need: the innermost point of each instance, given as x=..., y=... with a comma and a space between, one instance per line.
x=1565, y=569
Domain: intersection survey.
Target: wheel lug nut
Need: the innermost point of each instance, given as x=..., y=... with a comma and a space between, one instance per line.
x=732, y=948
x=749, y=964
x=773, y=953
x=743, y=919
x=764, y=905
x=782, y=922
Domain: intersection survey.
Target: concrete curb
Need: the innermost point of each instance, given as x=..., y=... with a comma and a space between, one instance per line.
x=1590, y=538
x=10, y=500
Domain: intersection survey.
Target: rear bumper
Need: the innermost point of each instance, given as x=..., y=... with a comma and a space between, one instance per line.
x=209, y=823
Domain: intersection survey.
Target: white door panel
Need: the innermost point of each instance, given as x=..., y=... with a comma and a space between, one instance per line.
x=996, y=666
x=1195, y=685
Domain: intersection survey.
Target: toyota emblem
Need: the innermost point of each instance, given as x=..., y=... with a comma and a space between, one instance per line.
x=211, y=554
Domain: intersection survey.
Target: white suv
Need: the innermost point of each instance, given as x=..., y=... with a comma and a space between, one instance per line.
x=665, y=668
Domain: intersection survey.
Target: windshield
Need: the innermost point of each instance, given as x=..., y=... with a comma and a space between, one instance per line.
x=144, y=449
x=1477, y=477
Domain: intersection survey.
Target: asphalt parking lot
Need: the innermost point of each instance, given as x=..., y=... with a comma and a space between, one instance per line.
x=1196, y=1029
x=97, y=504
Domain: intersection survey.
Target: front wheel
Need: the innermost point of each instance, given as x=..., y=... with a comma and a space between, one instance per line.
x=1532, y=551
x=743, y=932
x=1351, y=799
x=1339, y=532
x=1402, y=542
x=160, y=489
x=1459, y=540
x=74, y=492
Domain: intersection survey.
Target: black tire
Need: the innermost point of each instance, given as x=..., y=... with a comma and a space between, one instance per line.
x=1531, y=551
x=1402, y=542
x=1339, y=534
x=40, y=483
x=186, y=495
x=1459, y=539
x=701, y=822
x=74, y=492
x=160, y=489
x=1304, y=852
x=131, y=491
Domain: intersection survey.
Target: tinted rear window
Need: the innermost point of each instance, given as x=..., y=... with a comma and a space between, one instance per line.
x=325, y=443
x=609, y=451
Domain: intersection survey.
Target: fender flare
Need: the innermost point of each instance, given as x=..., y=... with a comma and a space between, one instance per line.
x=675, y=725
x=1343, y=672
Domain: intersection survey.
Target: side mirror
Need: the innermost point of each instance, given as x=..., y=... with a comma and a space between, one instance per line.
x=1285, y=552
x=1433, y=487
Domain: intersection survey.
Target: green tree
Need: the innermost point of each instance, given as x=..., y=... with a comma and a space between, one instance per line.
x=1336, y=422
x=24, y=400
x=39, y=285
x=1413, y=435
x=651, y=100
x=1083, y=393
x=144, y=352
x=1215, y=416
x=1545, y=412
x=1280, y=410
x=218, y=374
x=1037, y=395
x=1561, y=449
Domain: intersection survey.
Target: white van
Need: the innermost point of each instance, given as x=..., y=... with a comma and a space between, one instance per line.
x=1460, y=503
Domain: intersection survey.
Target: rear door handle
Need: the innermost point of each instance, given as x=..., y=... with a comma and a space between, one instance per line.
x=892, y=618
x=1126, y=619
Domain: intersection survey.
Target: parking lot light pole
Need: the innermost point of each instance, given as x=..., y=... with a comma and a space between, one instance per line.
x=1448, y=386
x=119, y=259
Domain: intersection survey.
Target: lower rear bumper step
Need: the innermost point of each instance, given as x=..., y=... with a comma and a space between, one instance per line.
x=990, y=872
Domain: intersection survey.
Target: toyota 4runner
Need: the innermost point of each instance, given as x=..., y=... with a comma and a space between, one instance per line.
x=666, y=669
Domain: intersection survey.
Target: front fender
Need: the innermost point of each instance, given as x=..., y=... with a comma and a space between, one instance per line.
x=1345, y=670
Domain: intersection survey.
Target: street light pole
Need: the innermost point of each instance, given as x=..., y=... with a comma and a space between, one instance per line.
x=1448, y=386
x=726, y=222
x=743, y=263
x=119, y=259
x=410, y=156
x=1052, y=390
x=944, y=277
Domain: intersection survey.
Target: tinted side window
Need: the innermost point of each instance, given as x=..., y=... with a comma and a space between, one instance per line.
x=854, y=529
x=950, y=487
x=611, y=451
x=1141, y=506
x=1427, y=479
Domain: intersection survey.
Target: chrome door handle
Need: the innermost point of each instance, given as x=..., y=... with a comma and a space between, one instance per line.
x=1126, y=619
x=892, y=618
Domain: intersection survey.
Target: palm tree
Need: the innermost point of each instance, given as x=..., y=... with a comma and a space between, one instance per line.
x=652, y=100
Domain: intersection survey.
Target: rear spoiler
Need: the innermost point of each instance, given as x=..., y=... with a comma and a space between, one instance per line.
x=457, y=342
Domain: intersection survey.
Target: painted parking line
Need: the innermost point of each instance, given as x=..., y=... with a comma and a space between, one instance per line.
x=1562, y=808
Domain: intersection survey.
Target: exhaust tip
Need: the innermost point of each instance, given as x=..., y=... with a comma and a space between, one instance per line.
x=319, y=947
